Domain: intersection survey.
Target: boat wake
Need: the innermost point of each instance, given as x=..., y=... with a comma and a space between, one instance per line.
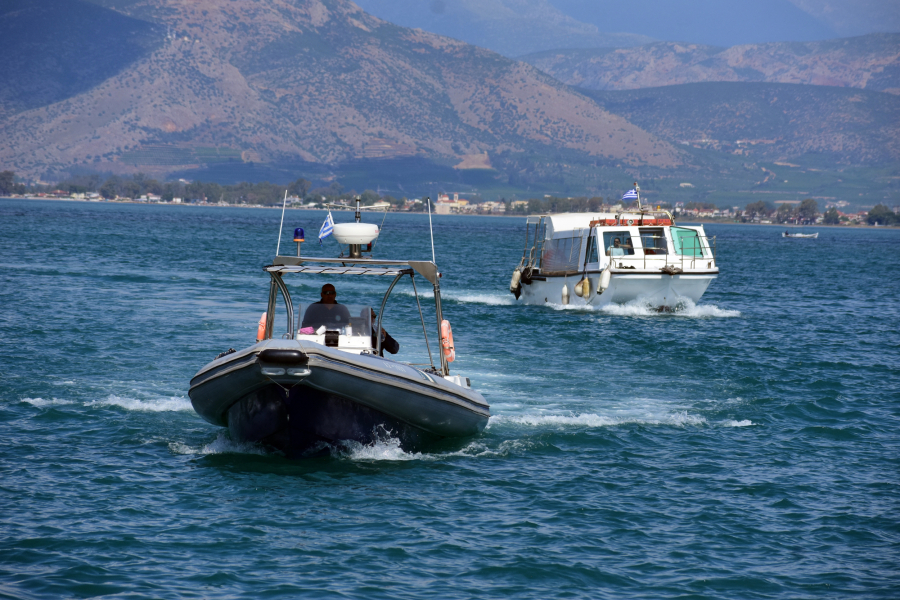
x=44, y=403
x=641, y=308
x=463, y=297
x=733, y=423
x=221, y=445
x=171, y=404
x=387, y=448
x=685, y=309
x=489, y=299
x=591, y=420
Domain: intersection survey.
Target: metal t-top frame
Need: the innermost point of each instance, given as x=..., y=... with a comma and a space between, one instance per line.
x=360, y=266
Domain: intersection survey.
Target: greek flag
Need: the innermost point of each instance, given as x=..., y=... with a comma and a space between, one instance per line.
x=327, y=228
x=630, y=195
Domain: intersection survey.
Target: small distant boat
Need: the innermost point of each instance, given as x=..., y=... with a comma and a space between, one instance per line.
x=788, y=234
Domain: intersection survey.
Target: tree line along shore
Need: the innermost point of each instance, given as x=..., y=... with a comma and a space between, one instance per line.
x=301, y=194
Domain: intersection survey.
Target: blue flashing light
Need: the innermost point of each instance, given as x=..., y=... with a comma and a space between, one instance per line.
x=298, y=235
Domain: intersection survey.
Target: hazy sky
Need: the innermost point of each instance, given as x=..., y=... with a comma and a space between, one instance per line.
x=515, y=27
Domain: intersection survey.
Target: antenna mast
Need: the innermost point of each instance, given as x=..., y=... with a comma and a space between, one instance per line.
x=430, y=228
x=283, y=204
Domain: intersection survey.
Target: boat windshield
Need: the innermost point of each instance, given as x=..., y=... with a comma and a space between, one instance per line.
x=617, y=243
x=349, y=319
x=653, y=240
x=687, y=242
x=562, y=253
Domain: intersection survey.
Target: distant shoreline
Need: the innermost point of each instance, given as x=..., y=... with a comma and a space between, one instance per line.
x=406, y=212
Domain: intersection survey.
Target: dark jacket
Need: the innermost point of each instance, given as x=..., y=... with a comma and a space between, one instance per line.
x=387, y=343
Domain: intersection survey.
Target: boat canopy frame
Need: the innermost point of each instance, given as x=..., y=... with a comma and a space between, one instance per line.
x=396, y=269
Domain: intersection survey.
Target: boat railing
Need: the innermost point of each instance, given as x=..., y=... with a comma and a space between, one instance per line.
x=535, y=227
x=655, y=253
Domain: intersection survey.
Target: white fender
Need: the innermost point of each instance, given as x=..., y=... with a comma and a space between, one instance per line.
x=514, y=282
x=579, y=288
x=565, y=294
x=604, y=279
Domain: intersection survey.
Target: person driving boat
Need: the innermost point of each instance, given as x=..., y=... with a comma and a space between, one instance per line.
x=326, y=311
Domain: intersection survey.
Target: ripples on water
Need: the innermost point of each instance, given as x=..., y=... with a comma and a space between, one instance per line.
x=743, y=447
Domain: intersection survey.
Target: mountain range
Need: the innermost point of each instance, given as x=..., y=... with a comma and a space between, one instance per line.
x=768, y=121
x=319, y=88
x=869, y=62
x=312, y=80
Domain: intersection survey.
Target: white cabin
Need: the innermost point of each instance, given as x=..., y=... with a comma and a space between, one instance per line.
x=613, y=257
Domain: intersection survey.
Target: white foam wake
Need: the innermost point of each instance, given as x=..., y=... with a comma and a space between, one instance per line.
x=43, y=403
x=490, y=299
x=679, y=419
x=685, y=309
x=390, y=450
x=383, y=449
x=468, y=297
x=221, y=445
x=733, y=423
x=171, y=404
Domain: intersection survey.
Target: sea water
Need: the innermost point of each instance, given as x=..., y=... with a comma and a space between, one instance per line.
x=743, y=447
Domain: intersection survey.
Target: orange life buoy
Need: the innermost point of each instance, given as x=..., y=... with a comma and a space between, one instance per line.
x=447, y=341
x=261, y=328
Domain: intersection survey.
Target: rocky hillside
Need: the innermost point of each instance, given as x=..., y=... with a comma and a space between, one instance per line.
x=769, y=121
x=47, y=57
x=870, y=62
x=313, y=80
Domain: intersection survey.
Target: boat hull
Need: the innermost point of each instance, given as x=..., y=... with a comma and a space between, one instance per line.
x=310, y=395
x=658, y=290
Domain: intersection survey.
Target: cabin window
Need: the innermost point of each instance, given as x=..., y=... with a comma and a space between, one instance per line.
x=591, y=252
x=561, y=254
x=687, y=242
x=617, y=243
x=654, y=240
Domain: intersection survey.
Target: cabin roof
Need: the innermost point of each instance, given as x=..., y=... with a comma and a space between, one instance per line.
x=561, y=222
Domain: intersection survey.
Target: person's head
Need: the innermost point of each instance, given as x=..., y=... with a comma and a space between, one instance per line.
x=329, y=294
x=616, y=242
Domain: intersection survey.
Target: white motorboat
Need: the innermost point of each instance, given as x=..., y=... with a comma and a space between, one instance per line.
x=594, y=259
x=320, y=381
x=788, y=234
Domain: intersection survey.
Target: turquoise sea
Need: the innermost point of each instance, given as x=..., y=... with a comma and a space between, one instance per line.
x=745, y=447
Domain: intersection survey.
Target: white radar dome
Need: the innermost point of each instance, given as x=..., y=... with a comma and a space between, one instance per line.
x=355, y=233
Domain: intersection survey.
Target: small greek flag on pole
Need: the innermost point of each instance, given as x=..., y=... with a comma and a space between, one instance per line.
x=630, y=195
x=327, y=228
